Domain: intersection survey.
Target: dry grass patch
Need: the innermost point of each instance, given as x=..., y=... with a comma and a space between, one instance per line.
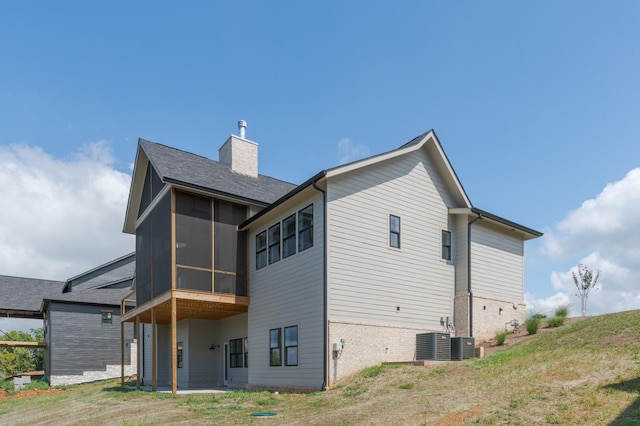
x=585, y=372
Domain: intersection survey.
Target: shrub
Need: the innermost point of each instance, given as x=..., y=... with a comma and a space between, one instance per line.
x=532, y=324
x=556, y=321
x=562, y=311
x=501, y=336
x=538, y=316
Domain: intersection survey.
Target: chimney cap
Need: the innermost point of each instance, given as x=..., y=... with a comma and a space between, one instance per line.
x=242, y=128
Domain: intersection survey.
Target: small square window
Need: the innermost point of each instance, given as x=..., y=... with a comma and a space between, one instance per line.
x=107, y=317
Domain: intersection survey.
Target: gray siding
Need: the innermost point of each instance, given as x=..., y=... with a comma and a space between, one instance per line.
x=368, y=280
x=110, y=273
x=497, y=262
x=286, y=293
x=201, y=366
x=79, y=341
x=460, y=250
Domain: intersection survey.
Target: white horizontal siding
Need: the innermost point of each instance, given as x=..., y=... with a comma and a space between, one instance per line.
x=289, y=292
x=368, y=280
x=497, y=263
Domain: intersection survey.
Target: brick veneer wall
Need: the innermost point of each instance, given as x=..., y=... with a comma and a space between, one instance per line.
x=367, y=345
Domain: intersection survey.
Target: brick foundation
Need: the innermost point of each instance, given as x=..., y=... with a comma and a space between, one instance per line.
x=367, y=345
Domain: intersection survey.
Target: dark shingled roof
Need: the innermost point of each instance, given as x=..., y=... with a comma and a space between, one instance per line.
x=25, y=294
x=104, y=296
x=181, y=167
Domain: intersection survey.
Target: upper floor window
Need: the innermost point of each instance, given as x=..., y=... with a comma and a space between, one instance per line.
x=446, y=245
x=274, y=243
x=394, y=231
x=107, y=317
x=289, y=236
x=293, y=234
x=305, y=228
x=261, y=250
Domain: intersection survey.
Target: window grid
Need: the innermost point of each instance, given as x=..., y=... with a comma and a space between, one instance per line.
x=261, y=250
x=275, y=347
x=235, y=353
x=274, y=243
x=291, y=346
x=289, y=236
x=446, y=245
x=305, y=228
x=394, y=231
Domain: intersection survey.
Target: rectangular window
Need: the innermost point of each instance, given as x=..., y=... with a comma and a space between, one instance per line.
x=446, y=245
x=246, y=352
x=107, y=317
x=305, y=228
x=179, y=354
x=261, y=250
x=289, y=236
x=394, y=231
x=275, y=347
x=235, y=353
x=274, y=243
x=291, y=346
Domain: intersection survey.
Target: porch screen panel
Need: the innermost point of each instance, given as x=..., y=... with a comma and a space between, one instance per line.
x=193, y=230
x=230, y=253
x=194, y=279
x=162, y=247
x=193, y=241
x=153, y=253
x=143, y=262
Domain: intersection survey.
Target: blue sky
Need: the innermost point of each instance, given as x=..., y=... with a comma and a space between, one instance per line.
x=537, y=106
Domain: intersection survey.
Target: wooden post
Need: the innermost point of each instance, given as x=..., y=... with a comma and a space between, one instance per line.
x=153, y=350
x=139, y=345
x=121, y=352
x=174, y=346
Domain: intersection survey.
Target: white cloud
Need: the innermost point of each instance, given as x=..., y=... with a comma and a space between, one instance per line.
x=60, y=218
x=349, y=151
x=603, y=234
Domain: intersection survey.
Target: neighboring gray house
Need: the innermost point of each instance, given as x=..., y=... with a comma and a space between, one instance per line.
x=82, y=326
x=249, y=282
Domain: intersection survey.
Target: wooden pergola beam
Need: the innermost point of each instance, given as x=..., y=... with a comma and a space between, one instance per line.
x=14, y=344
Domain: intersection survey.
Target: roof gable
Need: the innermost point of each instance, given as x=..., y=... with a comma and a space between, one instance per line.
x=427, y=141
x=182, y=168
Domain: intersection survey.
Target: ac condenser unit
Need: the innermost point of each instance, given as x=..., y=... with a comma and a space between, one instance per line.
x=462, y=348
x=433, y=346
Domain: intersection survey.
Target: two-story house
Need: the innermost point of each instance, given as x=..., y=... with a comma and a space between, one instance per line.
x=246, y=281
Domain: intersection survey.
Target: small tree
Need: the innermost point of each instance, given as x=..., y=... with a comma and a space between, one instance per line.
x=585, y=283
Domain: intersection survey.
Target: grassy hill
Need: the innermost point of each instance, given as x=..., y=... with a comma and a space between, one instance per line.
x=587, y=372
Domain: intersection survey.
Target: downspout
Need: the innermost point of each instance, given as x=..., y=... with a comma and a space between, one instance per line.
x=325, y=363
x=469, y=273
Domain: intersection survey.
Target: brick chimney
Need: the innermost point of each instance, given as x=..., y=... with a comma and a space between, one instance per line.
x=239, y=153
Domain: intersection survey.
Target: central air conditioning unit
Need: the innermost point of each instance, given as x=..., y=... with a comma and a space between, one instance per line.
x=433, y=346
x=462, y=348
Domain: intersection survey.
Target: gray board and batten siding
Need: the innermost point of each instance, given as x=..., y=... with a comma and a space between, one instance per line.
x=79, y=341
